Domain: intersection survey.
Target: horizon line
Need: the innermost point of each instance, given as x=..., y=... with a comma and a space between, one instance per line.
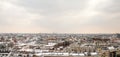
x=58, y=33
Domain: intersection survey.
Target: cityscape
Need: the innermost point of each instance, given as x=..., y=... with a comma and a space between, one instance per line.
x=59, y=45
x=59, y=28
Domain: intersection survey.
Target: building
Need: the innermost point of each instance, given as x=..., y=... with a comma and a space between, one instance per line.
x=4, y=52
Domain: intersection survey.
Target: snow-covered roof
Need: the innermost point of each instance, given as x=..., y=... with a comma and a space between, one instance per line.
x=62, y=54
x=51, y=44
x=28, y=50
x=93, y=53
x=77, y=54
x=110, y=48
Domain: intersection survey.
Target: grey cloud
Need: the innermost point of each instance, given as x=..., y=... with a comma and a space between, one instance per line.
x=62, y=15
x=52, y=7
x=3, y=20
x=12, y=15
x=111, y=6
x=53, y=11
x=105, y=22
x=54, y=25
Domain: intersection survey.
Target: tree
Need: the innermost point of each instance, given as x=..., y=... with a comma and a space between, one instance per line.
x=35, y=56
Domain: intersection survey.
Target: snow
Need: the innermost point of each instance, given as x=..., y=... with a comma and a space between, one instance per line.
x=93, y=53
x=111, y=48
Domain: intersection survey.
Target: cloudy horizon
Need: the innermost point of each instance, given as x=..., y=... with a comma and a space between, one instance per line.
x=69, y=16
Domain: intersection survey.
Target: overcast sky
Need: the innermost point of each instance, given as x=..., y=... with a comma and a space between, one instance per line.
x=72, y=16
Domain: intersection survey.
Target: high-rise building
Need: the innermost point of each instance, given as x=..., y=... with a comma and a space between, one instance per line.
x=118, y=35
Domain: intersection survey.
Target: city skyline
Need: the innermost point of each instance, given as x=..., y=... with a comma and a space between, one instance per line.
x=61, y=16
